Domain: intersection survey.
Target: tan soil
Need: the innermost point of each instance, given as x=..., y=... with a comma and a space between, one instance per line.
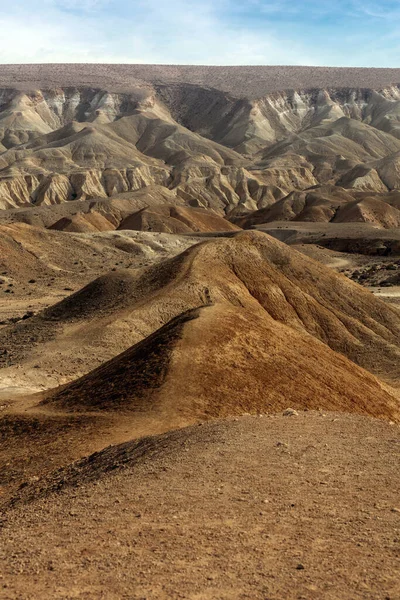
x=176, y=219
x=250, y=274
x=299, y=507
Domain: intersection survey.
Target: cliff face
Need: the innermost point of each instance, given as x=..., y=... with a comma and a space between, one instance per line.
x=211, y=148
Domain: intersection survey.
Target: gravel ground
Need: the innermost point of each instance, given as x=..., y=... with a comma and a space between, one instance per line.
x=304, y=506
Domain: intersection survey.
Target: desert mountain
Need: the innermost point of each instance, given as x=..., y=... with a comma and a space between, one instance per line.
x=176, y=219
x=133, y=304
x=233, y=139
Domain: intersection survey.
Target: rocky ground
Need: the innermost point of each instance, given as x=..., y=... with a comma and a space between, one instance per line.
x=245, y=81
x=381, y=275
x=298, y=507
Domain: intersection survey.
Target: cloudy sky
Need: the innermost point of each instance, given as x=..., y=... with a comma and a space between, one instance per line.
x=308, y=32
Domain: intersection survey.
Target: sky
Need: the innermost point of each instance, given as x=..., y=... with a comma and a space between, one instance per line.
x=211, y=32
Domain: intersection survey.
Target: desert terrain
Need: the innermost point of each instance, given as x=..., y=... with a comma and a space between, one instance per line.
x=199, y=332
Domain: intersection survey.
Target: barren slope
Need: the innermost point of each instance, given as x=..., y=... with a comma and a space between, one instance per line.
x=219, y=362
x=39, y=267
x=233, y=325
x=251, y=273
x=116, y=323
x=173, y=219
x=328, y=204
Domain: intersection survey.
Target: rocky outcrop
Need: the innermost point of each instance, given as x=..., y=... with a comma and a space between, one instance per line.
x=81, y=185
x=221, y=189
x=17, y=191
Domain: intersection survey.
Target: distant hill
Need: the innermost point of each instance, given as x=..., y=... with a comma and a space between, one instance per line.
x=231, y=139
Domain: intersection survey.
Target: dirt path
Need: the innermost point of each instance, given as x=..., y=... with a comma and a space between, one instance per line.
x=391, y=295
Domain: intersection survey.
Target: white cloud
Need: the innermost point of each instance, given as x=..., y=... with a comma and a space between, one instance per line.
x=191, y=31
x=388, y=11
x=155, y=31
x=44, y=41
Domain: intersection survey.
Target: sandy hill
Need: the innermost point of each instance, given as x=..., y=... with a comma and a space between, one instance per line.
x=318, y=204
x=251, y=274
x=85, y=223
x=114, y=209
x=370, y=210
x=232, y=325
x=328, y=204
x=181, y=373
x=290, y=506
x=258, y=303
x=252, y=271
x=176, y=219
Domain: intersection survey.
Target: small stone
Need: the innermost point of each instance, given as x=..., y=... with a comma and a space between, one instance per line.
x=300, y=567
x=290, y=412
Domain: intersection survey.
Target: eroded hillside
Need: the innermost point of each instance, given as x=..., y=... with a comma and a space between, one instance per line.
x=230, y=148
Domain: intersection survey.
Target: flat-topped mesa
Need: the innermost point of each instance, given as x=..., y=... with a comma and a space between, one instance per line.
x=241, y=81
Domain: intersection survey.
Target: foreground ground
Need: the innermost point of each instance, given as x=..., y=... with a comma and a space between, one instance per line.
x=295, y=507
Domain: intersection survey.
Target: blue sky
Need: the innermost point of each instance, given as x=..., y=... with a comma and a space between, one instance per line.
x=308, y=32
